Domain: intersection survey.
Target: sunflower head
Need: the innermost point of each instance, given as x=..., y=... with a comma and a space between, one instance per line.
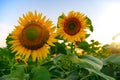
x=32, y=36
x=73, y=26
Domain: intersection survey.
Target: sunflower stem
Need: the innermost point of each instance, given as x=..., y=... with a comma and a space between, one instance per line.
x=72, y=48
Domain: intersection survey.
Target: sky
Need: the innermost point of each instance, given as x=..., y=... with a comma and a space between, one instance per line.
x=104, y=14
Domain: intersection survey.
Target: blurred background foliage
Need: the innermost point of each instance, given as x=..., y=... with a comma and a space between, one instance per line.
x=91, y=61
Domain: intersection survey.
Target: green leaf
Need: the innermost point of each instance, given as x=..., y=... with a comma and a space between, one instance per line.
x=58, y=57
x=91, y=62
x=61, y=48
x=39, y=73
x=114, y=58
x=61, y=16
x=47, y=64
x=16, y=74
x=7, y=40
x=87, y=61
x=100, y=74
x=87, y=35
x=55, y=73
x=74, y=75
x=108, y=70
x=90, y=24
x=84, y=45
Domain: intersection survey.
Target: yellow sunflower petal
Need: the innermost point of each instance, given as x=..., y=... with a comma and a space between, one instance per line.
x=34, y=55
x=28, y=52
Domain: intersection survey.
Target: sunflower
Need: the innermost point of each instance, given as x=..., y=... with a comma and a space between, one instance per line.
x=72, y=27
x=33, y=36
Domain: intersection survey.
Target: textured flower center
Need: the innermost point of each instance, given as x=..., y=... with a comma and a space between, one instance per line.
x=72, y=26
x=32, y=33
x=34, y=36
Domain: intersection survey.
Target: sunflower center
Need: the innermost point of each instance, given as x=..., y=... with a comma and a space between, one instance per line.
x=72, y=26
x=34, y=36
x=32, y=33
